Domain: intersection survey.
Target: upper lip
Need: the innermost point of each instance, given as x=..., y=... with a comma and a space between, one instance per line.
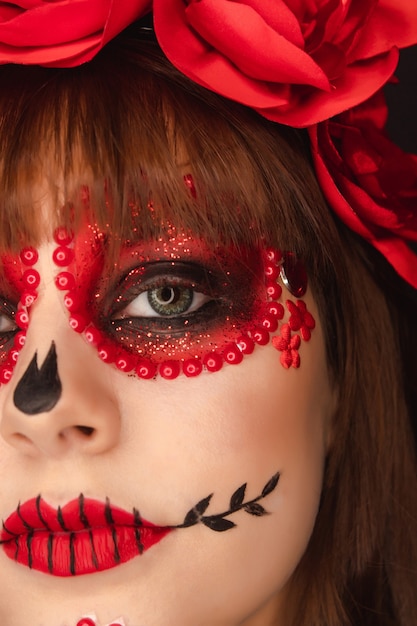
x=78, y=514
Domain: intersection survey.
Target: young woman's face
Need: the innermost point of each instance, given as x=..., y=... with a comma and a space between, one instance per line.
x=128, y=491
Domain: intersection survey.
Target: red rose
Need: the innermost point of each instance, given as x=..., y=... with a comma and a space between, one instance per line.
x=369, y=181
x=296, y=62
x=62, y=33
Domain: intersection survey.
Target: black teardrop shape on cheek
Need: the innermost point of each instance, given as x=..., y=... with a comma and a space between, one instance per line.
x=39, y=390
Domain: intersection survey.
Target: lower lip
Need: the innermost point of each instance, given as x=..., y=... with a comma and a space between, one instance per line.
x=82, y=552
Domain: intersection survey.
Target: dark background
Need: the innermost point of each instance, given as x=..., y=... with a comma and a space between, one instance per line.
x=402, y=102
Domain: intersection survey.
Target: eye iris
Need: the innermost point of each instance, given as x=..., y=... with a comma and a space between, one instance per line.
x=170, y=300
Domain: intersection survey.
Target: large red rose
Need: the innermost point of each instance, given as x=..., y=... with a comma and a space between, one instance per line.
x=369, y=181
x=297, y=62
x=62, y=33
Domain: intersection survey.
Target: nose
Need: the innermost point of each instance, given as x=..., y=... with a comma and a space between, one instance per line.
x=59, y=401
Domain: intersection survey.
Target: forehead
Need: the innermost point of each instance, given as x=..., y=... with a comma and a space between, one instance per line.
x=131, y=151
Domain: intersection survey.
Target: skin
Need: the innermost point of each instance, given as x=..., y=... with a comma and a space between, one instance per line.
x=162, y=446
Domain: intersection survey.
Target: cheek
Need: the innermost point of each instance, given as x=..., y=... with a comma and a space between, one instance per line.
x=244, y=424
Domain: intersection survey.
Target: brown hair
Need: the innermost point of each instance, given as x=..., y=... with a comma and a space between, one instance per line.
x=127, y=126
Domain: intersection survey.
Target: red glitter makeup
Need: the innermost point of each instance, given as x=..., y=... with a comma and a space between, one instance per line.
x=173, y=306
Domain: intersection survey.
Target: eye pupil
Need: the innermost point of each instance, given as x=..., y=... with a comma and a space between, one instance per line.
x=166, y=295
x=170, y=300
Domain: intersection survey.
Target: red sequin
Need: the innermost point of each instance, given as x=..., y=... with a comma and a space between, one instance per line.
x=29, y=256
x=232, y=354
x=31, y=279
x=213, y=361
x=145, y=369
x=192, y=367
x=77, y=322
x=260, y=336
x=245, y=344
x=62, y=236
x=169, y=369
x=65, y=280
x=62, y=256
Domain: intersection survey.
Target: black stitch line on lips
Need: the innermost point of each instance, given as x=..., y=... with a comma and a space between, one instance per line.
x=138, y=524
x=25, y=523
x=8, y=531
x=29, y=547
x=38, y=509
x=72, y=554
x=50, y=546
x=86, y=523
x=110, y=521
x=60, y=518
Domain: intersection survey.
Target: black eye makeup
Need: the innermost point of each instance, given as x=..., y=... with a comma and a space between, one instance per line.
x=177, y=309
x=8, y=326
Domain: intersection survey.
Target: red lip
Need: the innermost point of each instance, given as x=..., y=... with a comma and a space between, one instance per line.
x=83, y=537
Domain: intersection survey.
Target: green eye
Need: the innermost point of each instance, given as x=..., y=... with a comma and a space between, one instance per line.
x=170, y=300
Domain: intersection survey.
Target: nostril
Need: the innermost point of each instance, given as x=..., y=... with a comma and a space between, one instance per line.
x=86, y=430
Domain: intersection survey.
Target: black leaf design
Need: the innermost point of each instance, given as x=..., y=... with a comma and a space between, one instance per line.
x=190, y=519
x=237, y=498
x=193, y=516
x=270, y=485
x=201, y=506
x=255, y=509
x=218, y=524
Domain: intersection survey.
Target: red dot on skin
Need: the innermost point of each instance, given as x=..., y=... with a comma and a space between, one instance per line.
x=28, y=297
x=145, y=369
x=13, y=356
x=260, y=336
x=106, y=352
x=29, y=256
x=276, y=309
x=270, y=323
x=5, y=374
x=272, y=255
x=273, y=290
x=125, y=363
x=72, y=301
x=65, y=281
x=213, y=362
x=22, y=319
x=271, y=271
x=245, y=345
x=77, y=322
x=19, y=340
x=62, y=256
x=169, y=369
x=192, y=367
x=92, y=335
x=62, y=236
x=232, y=354
x=31, y=279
